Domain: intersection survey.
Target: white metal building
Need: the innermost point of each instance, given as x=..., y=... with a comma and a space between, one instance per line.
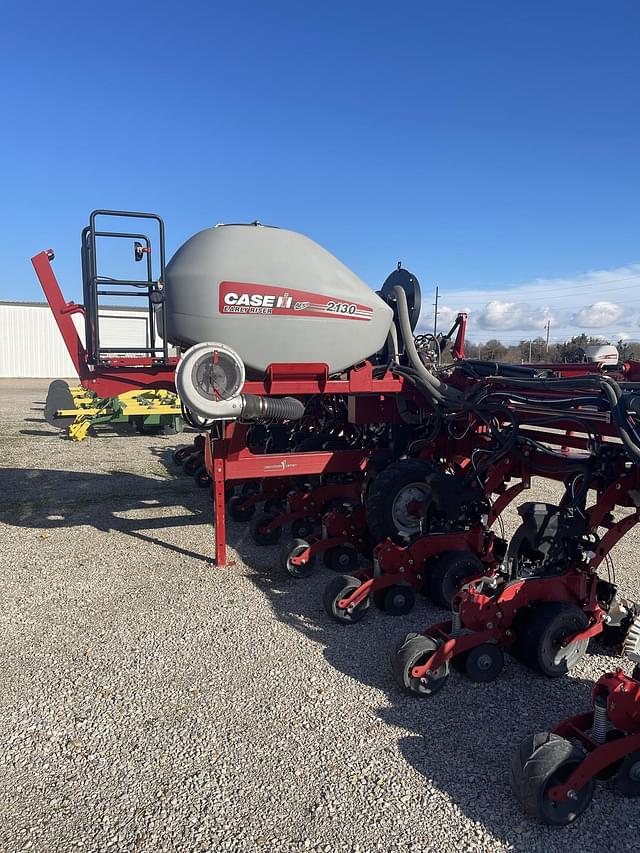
x=32, y=346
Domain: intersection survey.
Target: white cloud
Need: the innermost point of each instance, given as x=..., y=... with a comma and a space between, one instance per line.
x=606, y=300
x=599, y=314
x=501, y=315
x=446, y=316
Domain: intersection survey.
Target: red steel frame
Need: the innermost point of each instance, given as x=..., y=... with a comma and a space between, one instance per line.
x=116, y=376
x=490, y=617
x=228, y=459
x=622, y=695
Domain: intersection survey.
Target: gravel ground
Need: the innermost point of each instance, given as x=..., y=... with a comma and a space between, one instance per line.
x=150, y=701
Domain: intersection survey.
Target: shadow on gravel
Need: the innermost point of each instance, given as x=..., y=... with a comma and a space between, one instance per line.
x=41, y=498
x=463, y=738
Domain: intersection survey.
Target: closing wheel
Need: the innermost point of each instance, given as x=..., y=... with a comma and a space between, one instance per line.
x=339, y=588
x=393, y=497
x=192, y=463
x=547, y=627
x=341, y=558
x=202, y=478
x=249, y=489
x=484, y=663
x=396, y=600
x=627, y=780
x=181, y=454
x=264, y=537
x=446, y=573
x=275, y=506
x=416, y=651
x=541, y=762
x=302, y=528
x=521, y=550
x=294, y=549
x=239, y=512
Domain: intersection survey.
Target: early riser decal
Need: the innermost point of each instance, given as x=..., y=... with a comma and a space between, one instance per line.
x=239, y=297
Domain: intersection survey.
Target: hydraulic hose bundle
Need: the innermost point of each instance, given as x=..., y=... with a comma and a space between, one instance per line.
x=612, y=394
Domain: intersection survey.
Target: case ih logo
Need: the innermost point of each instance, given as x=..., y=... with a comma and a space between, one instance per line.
x=237, y=297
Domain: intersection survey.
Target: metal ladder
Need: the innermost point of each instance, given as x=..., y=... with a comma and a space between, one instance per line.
x=150, y=289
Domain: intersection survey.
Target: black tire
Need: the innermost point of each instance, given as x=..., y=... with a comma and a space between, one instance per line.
x=192, y=463
x=612, y=637
x=202, y=478
x=541, y=762
x=484, y=663
x=309, y=444
x=302, y=528
x=446, y=573
x=396, y=600
x=264, y=537
x=181, y=454
x=294, y=549
x=627, y=779
x=249, y=488
x=547, y=625
x=526, y=748
x=521, y=548
x=275, y=506
x=386, y=517
x=341, y=559
x=338, y=588
x=414, y=650
x=238, y=512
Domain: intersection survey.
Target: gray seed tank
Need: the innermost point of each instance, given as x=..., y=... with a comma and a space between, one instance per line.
x=273, y=296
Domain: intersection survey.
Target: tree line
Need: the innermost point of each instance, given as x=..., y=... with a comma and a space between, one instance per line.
x=535, y=350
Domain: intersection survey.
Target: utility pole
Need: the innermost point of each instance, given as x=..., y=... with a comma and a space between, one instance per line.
x=435, y=313
x=548, y=327
x=530, y=344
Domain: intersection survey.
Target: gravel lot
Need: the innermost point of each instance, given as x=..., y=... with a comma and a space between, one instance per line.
x=150, y=701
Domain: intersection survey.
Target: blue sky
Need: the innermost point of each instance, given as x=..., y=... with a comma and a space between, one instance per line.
x=492, y=146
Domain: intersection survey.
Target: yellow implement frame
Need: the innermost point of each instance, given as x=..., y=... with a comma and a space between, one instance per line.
x=151, y=406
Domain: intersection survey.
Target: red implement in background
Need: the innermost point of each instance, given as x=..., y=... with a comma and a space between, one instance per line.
x=117, y=375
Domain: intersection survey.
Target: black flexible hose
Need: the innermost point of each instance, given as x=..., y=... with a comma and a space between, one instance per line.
x=607, y=385
x=272, y=408
x=443, y=393
x=495, y=368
